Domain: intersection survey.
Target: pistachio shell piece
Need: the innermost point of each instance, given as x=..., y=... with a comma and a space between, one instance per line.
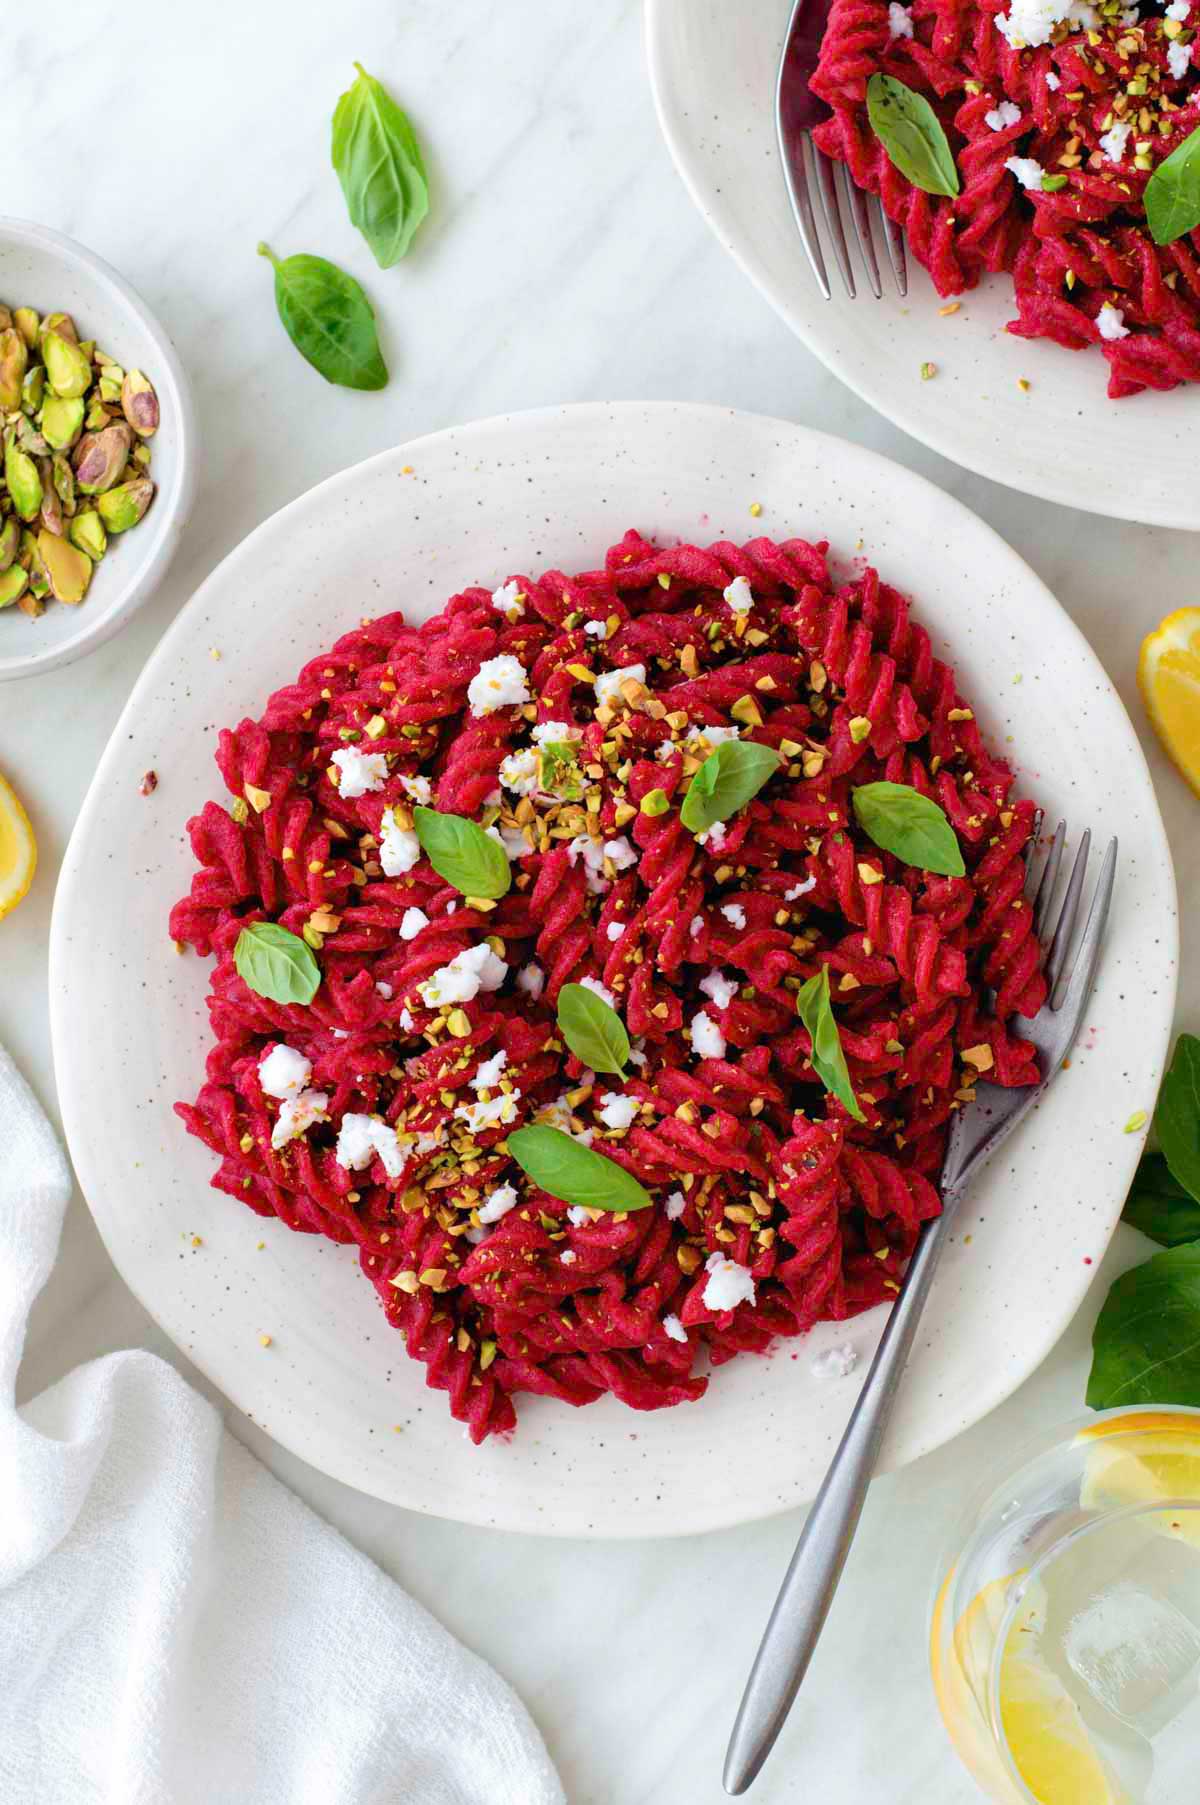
x=24, y=484
x=101, y=457
x=123, y=507
x=67, y=369
x=139, y=403
x=26, y=321
x=14, y=359
x=51, y=514
x=87, y=532
x=69, y=569
x=10, y=539
x=13, y=583
x=62, y=421
x=33, y=388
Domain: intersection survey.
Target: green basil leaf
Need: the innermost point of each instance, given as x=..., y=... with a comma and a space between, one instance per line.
x=828, y=1060
x=594, y=1032
x=573, y=1173
x=729, y=778
x=329, y=320
x=1172, y=195
x=1146, y=1344
x=463, y=854
x=911, y=134
x=559, y=765
x=902, y=821
x=1160, y=1206
x=276, y=963
x=378, y=162
x=1177, y=1116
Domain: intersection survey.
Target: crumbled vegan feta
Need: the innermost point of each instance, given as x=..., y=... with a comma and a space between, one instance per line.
x=567, y=1256
x=284, y=1072
x=1179, y=58
x=738, y=594
x=498, y=683
x=556, y=732
x=360, y=1137
x=617, y=1111
x=1113, y=141
x=834, y=1363
x=615, y=929
x=531, y=980
x=734, y=914
x=608, y=683
x=618, y=852
x=710, y=736
x=596, y=629
x=900, y=24
x=502, y=1108
x=1052, y=81
x=509, y=600
x=713, y=837
x=676, y=1204
x=411, y=923
x=1006, y=114
x=1179, y=10
x=515, y=845
x=399, y=847
x=1027, y=170
x=488, y=1075
x=801, y=889
x=695, y=926
x=519, y=772
x=1031, y=22
x=728, y=1284
x=417, y=789
x=476, y=968
x=359, y=771
x=721, y=989
x=708, y=1042
x=578, y=1217
x=297, y=1115
x=674, y=1328
x=406, y=1021
x=600, y=990
x=1111, y=321
x=498, y=1204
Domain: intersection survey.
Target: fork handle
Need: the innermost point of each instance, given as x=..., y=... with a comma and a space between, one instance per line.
x=816, y=1567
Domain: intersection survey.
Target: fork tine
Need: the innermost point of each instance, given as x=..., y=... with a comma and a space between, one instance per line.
x=1030, y=849
x=894, y=239
x=1083, y=971
x=796, y=175
x=1044, y=894
x=861, y=219
x=827, y=184
x=1065, y=927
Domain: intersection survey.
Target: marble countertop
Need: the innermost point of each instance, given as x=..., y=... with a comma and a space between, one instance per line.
x=563, y=261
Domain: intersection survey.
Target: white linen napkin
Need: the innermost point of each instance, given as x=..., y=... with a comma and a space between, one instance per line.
x=176, y=1628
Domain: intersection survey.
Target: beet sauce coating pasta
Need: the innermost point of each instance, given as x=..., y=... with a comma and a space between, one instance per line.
x=1092, y=98
x=550, y=711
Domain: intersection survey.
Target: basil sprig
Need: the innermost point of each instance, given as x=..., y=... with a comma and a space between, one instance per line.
x=594, y=1032
x=463, y=854
x=828, y=1060
x=1160, y=1206
x=911, y=134
x=730, y=777
x=378, y=162
x=276, y=963
x=1177, y=1115
x=1172, y=195
x=902, y=821
x=329, y=320
x=574, y=1173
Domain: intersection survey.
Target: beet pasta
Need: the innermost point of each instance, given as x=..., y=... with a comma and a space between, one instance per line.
x=566, y=719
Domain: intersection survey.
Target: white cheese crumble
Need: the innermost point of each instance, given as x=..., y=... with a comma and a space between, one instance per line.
x=417, y=789
x=406, y=1021
x=711, y=736
x=498, y=683
x=502, y=1108
x=512, y=839
x=618, y=852
x=498, y=1204
x=399, y=847
x=708, y=1042
x=1111, y=321
x=531, y=980
x=359, y=771
x=721, y=989
x=734, y=914
x=617, y=1111
x=555, y=731
x=1052, y=81
x=1179, y=58
x=900, y=24
x=1179, y=10
x=297, y=1114
x=676, y=1204
x=509, y=600
x=834, y=1363
x=728, y=1284
x=359, y=1137
x=1032, y=22
x=674, y=1328
x=1006, y=114
x=713, y=837
x=577, y=1216
x=1027, y=170
x=568, y=1256
x=1113, y=141
x=800, y=889
x=284, y=1072
x=608, y=683
x=519, y=772
x=615, y=929
x=385, y=990
x=411, y=923
x=695, y=926
x=600, y=990
x=596, y=629
x=476, y=968
x=738, y=594
x=488, y=1075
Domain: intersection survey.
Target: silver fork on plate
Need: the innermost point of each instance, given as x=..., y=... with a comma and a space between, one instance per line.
x=978, y=1129
x=796, y=112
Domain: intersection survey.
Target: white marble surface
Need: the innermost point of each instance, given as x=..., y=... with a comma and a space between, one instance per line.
x=563, y=262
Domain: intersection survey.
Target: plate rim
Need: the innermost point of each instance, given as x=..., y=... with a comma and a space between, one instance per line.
x=941, y=1429
x=908, y=420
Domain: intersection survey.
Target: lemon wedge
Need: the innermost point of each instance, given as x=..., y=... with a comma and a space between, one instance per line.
x=1048, y=1739
x=1156, y=1466
x=18, y=849
x=1169, y=679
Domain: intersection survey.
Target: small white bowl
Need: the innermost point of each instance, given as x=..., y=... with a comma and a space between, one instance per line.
x=43, y=269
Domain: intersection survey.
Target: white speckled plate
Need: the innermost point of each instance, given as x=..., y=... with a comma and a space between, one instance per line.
x=712, y=66
x=130, y=1032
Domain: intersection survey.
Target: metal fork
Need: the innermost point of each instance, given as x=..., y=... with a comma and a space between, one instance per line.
x=807, y=1591
x=797, y=110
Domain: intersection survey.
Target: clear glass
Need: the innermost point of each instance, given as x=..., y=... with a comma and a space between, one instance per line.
x=1065, y=1632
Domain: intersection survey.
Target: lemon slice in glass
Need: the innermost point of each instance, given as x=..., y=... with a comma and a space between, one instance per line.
x=1048, y=1739
x=18, y=849
x=1169, y=679
x=1142, y=1468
